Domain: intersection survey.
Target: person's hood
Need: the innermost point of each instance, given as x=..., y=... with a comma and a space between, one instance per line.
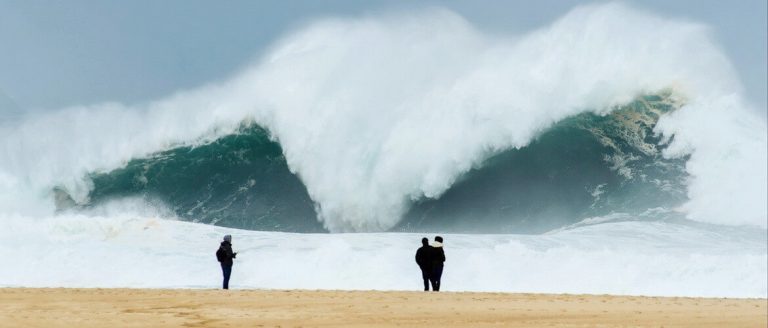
x=437, y=244
x=226, y=243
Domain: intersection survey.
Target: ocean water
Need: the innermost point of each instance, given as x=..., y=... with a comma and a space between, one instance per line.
x=593, y=155
x=629, y=258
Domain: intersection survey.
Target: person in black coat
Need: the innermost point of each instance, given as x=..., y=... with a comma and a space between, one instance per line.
x=424, y=260
x=225, y=255
x=438, y=257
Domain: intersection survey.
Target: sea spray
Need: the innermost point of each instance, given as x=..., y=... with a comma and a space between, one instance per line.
x=377, y=112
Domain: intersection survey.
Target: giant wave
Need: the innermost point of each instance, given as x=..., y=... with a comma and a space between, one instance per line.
x=583, y=166
x=618, y=139
x=376, y=113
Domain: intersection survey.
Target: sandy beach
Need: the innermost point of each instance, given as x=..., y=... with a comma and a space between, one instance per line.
x=60, y=307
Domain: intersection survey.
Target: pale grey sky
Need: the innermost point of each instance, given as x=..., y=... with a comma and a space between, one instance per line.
x=60, y=53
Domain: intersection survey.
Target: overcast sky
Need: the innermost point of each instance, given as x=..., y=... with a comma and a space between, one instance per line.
x=61, y=53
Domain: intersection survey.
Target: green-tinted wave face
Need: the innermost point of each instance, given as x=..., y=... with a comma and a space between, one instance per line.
x=584, y=166
x=241, y=180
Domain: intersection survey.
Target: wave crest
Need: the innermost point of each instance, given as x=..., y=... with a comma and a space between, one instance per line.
x=374, y=113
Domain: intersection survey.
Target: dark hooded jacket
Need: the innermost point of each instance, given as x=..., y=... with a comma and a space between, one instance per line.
x=438, y=254
x=424, y=257
x=228, y=254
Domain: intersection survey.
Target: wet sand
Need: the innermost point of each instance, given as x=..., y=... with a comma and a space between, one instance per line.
x=60, y=307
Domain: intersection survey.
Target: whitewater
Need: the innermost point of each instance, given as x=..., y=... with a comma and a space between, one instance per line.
x=373, y=124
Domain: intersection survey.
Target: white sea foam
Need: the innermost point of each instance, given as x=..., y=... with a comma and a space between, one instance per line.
x=377, y=111
x=635, y=258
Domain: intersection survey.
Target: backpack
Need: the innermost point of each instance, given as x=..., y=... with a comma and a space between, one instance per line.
x=221, y=255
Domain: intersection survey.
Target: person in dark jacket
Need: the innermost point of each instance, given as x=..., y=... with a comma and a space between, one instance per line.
x=438, y=257
x=424, y=260
x=225, y=256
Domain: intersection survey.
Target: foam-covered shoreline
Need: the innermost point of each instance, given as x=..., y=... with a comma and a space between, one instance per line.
x=634, y=258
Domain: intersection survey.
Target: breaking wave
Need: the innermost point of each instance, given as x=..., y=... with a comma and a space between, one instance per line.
x=584, y=166
x=419, y=121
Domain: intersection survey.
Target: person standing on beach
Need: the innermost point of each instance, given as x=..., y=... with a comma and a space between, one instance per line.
x=424, y=260
x=438, y=257
x=225, y=255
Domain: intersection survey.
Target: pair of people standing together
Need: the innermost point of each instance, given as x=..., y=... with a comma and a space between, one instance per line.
x=430, y=259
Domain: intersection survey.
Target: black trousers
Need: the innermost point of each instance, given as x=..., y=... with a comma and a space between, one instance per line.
x=227, y=271
x=425, y=272
x=437, y=273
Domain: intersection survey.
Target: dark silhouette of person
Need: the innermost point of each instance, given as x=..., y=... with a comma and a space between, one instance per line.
x=225, y=255
x=438, y=257
x=424, y=260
